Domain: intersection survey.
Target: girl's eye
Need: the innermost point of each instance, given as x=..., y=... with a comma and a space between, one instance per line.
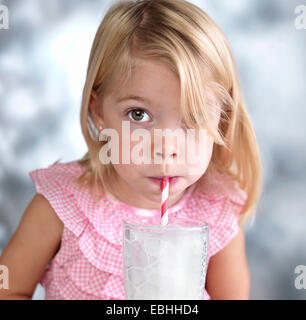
x=138, y=115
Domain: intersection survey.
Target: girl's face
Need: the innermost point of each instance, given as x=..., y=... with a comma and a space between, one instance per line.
x=151, y=100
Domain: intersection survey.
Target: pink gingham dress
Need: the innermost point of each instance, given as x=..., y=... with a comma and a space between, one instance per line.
x=88, y=264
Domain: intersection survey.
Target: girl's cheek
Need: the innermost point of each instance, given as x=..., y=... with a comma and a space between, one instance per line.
x=199, y=149
x=132, y=147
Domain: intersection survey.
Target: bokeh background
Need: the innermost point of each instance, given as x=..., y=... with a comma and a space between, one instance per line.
x=43, y=60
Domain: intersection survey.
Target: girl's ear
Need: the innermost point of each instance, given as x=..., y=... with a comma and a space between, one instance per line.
x=94, y=111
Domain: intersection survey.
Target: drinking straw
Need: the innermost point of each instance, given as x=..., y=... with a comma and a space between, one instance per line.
x=165, y=196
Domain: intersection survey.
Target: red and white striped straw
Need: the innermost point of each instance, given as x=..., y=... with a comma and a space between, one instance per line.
x=165, y=195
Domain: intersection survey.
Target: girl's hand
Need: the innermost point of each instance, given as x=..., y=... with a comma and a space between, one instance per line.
x=228, y=275
x=31, y=248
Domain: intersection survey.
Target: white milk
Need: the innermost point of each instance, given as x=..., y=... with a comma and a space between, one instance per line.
x=165, y=263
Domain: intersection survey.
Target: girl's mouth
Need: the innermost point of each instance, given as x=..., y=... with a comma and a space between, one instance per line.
x=158, y=180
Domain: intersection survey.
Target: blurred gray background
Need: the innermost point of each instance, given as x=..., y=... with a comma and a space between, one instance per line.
x=43, y=60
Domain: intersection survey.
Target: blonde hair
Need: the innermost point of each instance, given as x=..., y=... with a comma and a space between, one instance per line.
x=184, y=37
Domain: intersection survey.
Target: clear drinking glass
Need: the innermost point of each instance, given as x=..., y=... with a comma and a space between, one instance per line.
x=165, y=262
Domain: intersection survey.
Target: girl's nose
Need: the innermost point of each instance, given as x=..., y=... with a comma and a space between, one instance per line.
x=168, y=155
x=166, y=152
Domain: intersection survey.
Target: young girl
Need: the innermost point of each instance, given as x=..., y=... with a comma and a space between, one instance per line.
x=161, y=64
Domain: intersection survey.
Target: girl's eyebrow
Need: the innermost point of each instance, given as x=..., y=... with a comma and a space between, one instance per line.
x=133, y=97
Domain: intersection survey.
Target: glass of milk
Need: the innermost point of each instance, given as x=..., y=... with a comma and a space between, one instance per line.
x=165, y=262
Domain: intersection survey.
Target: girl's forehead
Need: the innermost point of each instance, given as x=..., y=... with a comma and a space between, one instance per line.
x=150, y=81
x=152, y=70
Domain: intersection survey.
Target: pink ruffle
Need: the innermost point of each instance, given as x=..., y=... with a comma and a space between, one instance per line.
x=74, y=277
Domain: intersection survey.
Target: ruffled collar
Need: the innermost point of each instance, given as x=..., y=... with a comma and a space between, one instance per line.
x=151, y=212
